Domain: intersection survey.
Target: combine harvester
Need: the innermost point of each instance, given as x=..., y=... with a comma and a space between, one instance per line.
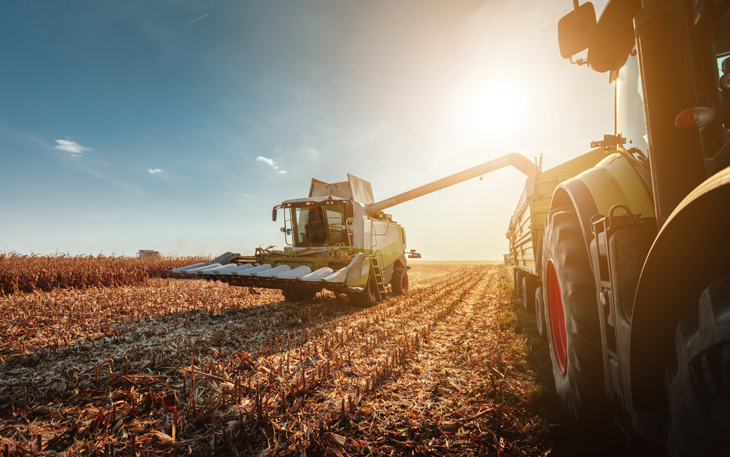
x=338, y=238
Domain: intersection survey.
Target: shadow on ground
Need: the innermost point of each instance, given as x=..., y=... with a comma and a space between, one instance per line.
x=598, y=439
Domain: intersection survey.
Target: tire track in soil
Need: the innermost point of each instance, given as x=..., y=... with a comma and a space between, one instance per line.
x=422, y=396
x=348, y=348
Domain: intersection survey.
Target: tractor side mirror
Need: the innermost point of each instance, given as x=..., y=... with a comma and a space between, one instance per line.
x=273, y=214
x=576, y=30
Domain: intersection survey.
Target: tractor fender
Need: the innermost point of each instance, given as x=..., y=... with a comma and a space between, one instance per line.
x=610, y=182
x=691, y=251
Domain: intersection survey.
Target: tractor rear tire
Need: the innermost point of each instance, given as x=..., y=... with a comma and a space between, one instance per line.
x=529, y=284
x=399, y=281
x=698, y=381
x=297, y=295
x=572, y=319
x=540, y=312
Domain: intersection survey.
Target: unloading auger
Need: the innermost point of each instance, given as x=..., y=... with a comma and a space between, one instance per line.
x=338, y=238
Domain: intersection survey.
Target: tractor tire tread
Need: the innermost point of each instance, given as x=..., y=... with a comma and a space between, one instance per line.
x=529, y=285
x=581, y=388
x=540, y=312
x=697, y=382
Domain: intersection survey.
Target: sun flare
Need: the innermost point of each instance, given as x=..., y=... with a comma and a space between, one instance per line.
x=498, y=108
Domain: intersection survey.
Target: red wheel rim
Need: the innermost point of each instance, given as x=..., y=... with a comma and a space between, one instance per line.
x=557, y=318
x=404, y=283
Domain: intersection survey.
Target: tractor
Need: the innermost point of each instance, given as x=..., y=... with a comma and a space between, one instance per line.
x=626, y=264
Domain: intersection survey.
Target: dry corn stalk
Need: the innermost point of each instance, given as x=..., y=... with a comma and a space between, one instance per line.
x=213, y=369
x=30, y=273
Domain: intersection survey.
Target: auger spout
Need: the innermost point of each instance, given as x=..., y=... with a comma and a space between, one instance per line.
x=514, y=159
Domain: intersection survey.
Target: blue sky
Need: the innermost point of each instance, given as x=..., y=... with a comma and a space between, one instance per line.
x=176, y=126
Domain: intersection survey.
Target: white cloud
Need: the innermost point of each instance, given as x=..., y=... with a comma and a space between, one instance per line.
x=154, y=171
x=271, y=163
x=71, y=147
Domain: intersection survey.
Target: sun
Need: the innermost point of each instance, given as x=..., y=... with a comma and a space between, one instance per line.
x=498, y=108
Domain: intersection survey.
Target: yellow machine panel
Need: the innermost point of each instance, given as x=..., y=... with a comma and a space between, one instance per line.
x=613, y=181
x=528, y=221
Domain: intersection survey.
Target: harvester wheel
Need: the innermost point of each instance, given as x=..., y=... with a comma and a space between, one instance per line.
x=540, y=312
x=369, y=297
x=399, y=281
x=698, y=381
x=295, y=295
x=529, y=284
x=572, y=319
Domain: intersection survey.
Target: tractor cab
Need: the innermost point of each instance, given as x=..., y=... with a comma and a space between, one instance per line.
x=682, y=70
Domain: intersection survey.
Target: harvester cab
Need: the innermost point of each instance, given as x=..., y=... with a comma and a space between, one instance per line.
x=334, y=214
x=338, y=238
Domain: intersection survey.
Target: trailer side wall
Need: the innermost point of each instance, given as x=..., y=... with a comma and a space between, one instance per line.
x=528, y=221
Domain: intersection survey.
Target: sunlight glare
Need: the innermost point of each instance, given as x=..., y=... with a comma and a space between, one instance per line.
x=498, y=108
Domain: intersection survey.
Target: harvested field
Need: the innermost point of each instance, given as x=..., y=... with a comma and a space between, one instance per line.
x=30, y=273
x=177, y=367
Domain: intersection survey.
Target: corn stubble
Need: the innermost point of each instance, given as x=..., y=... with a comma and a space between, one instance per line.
x=190, y=367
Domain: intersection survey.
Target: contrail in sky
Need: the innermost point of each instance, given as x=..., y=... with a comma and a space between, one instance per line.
x=201, y=17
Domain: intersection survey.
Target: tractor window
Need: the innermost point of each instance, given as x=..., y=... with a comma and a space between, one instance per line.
x=721, y=45
x=713, y=48
x=630, y=107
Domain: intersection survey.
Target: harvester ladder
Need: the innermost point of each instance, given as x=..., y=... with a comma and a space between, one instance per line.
x=378, y=275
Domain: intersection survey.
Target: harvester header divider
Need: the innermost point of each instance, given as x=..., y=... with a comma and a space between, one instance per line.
x=514, y=159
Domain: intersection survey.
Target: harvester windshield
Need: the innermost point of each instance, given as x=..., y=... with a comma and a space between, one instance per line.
x=319, y=225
